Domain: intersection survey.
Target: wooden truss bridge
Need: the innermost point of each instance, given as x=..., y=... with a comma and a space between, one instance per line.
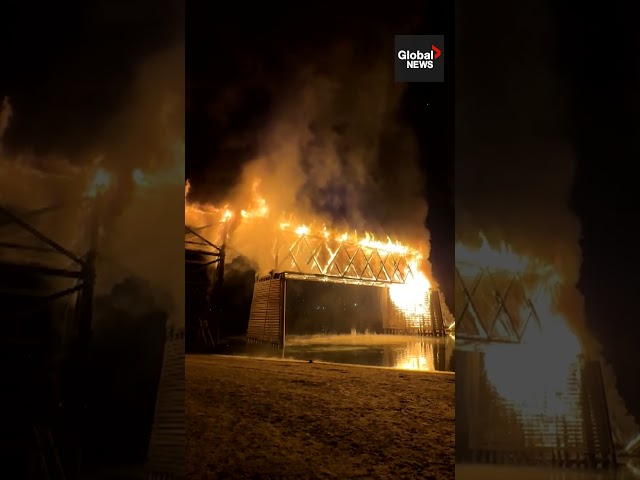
x=317, y=258
x=495, y=306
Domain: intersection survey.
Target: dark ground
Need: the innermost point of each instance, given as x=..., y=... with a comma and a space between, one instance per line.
x=259, y=419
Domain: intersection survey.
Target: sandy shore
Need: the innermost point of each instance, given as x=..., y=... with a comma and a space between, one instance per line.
x=270, y=419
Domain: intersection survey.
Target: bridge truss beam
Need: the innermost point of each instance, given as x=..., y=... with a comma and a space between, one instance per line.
x=495, y=306
x=316, y=255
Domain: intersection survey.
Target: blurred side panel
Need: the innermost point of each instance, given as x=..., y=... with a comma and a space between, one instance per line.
x=91, y=218
x=534, y=387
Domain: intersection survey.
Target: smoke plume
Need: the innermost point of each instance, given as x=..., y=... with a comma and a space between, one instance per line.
x=514, y=168
x=139, y=158
x=333, y=151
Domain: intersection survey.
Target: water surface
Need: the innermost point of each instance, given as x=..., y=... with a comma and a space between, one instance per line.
x=402, y=352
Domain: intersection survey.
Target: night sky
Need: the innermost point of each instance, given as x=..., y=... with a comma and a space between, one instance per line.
x=239, y=67
x=68, y=67
x=604, y=79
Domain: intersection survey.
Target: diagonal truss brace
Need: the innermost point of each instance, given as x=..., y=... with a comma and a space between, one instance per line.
x=358, y=265
x=84, y=275
x=485, y=334
x=55, y=246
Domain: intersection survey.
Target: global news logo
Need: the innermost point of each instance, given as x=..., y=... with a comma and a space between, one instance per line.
x=420, y=59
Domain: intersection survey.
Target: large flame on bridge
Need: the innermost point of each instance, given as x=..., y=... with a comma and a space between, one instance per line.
x=535, y=376
x=220, y=223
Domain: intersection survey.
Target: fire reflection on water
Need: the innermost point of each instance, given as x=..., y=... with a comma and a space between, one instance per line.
x=400, y=352
x=416, y=356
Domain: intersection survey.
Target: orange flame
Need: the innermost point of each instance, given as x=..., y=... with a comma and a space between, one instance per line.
x=411, y=297
x=533, y=376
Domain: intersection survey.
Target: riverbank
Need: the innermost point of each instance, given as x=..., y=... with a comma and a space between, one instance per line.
x=256, y=418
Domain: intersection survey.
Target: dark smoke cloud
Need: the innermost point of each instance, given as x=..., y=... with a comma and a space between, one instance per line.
x=334, y=147
x=514, y=167
x=115, y=102
x=321, y=125
x=69, y=67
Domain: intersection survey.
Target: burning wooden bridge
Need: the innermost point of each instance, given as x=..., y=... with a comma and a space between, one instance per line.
x=409, y=304
x=315, y=256
x=497, y=307
x=420, y=310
